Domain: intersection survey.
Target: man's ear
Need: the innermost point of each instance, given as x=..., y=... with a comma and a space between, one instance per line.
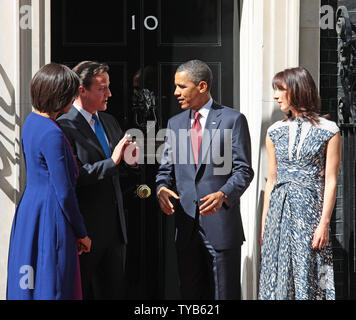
x=203, y=86
x=81, y=89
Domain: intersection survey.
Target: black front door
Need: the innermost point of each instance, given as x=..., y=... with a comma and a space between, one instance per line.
x=144, y=42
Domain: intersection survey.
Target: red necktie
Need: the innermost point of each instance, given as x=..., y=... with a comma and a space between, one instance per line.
x=196, y=134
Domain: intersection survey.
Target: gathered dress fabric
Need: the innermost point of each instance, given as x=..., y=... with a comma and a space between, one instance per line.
x=290, y=267
x=43, y=258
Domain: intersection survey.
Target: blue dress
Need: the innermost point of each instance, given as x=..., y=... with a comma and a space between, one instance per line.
x=290, y=268
x=42, y=255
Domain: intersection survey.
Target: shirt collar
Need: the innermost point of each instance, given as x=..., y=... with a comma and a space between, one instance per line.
x=204, y=110
x=87, y=115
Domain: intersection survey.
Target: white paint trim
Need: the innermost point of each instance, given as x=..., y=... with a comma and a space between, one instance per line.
x=28, y=49
x=269, y=43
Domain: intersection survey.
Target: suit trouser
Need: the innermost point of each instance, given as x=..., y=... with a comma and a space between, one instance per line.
x=206, y=273
x=103, y=271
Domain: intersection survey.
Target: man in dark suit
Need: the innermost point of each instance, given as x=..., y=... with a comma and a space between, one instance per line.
x=202, y=176
x=99, y=146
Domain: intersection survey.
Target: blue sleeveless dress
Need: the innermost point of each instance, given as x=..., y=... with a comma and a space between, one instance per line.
x=290, y=268
x=42, y=255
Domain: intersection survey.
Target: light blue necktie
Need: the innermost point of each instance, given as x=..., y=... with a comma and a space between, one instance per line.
x=99, y=131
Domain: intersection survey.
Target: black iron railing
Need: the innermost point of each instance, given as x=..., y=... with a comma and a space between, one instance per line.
x=346, y=32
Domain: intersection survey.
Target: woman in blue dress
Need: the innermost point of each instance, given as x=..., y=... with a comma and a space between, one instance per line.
x=48, y=231
x=304, y=154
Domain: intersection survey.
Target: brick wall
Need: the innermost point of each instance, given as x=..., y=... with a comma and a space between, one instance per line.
x=330, y=89
x=328, y=66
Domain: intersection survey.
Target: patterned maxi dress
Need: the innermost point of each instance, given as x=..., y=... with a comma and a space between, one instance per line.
x=290, y=268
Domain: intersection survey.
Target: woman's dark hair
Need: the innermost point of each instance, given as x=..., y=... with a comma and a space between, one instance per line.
x=86, y=70
x=302, y=92
x=53, y=87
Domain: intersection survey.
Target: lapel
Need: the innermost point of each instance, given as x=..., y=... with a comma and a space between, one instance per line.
x=211, y=126
x=83, y=126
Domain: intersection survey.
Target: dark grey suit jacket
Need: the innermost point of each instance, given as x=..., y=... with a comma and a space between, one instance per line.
x=98, y=186
x=226, y=136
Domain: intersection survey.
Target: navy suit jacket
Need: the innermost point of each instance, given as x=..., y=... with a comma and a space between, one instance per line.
x=98, y=186
x=224, y=164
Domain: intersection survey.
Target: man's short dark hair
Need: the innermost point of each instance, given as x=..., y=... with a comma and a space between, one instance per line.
x=86, y=70
x=198, y=71
x=53, y=87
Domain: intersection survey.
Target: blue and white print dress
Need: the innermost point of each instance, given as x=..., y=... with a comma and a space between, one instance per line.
x=290, y=268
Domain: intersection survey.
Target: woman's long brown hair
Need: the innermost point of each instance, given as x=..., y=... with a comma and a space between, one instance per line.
x=302, y=92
